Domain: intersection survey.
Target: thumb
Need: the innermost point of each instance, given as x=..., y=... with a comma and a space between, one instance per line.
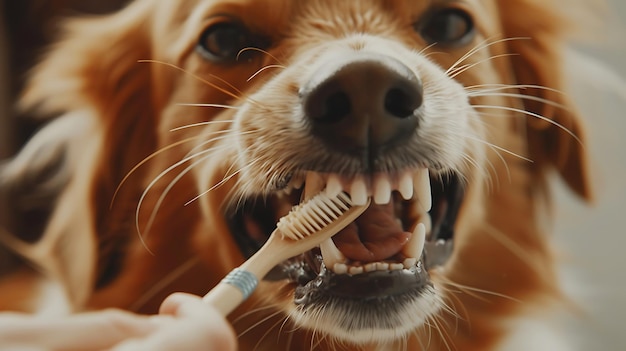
x=192, y=308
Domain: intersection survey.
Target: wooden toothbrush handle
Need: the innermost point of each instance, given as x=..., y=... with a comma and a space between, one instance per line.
x=232, y=290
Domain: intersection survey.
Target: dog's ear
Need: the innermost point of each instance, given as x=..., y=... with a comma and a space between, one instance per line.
x=556, y=135
x=101, y=100
x=95, y=68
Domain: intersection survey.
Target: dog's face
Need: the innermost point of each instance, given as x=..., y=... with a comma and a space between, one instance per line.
x=444, y=112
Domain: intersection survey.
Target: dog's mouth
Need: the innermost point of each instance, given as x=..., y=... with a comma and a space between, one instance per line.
x=385, y=253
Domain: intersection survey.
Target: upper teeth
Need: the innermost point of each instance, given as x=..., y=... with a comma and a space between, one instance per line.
x=410, y=184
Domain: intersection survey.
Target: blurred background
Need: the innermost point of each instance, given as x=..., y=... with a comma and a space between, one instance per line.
x=590, y=240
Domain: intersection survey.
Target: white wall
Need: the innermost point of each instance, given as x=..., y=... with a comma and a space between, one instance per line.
x=593, y=239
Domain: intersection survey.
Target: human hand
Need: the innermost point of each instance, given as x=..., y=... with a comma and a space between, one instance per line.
x=184, y=323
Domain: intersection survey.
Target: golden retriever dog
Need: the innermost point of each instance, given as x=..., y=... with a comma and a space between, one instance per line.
x=181, y=131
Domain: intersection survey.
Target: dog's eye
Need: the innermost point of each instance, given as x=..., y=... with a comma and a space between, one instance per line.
x=224, y=42
x=447, y=27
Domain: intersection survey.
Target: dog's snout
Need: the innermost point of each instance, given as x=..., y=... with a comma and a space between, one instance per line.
x=364, y=103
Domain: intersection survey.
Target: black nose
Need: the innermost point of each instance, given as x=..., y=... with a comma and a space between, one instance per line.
x=364, y=104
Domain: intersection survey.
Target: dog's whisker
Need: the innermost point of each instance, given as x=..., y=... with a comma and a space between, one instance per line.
x=481, y=46
x=443, y=335
x=145, y=160
x=212, y=85
x=218, y=184
x=519, y=96
x=259, y=323
x=215, y=137
x=460, y=70
x=267, y=333
x=468, y=289
x=256, y=309
x=203, y=124
x=289, y=339
x=263, y=69
x=425, y=49
x=167, y=190
x=499, y=148
x=459, y=304
x=164, y=282
x=535, y=115
x=446, y=307
x=418, y=336
x=430, y=326
x=261, y=51
x=154, y=181
x=499, y=87
x=222, y=106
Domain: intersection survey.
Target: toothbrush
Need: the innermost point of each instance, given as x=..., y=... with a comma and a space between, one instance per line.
x=306, y=226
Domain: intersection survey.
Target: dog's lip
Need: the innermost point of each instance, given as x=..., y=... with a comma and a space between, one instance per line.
x=377, y=285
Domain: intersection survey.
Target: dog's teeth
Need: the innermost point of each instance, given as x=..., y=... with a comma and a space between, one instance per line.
x=405, y=186
x=340, y=268
x=313, y=185
x=428, y=222
x=333, y=185
x=355, y=270
x=330, y=253
x=358, y=191
x=370, y=267
x=415, y=246
x=382, y=266
x=382, y=190
x=409, y=262
x=396, y=266
x=421, y=182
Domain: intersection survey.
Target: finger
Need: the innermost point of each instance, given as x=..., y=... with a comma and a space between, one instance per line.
x=179, y=334
x=206, y=319
x=88, y=331
x=173, y=302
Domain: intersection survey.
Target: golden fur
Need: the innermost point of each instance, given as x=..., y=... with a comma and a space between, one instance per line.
x=119, y=84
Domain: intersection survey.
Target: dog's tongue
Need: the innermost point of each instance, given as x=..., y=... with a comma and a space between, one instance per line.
x=374, y=236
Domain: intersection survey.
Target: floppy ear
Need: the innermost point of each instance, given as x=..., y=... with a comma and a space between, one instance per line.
x=94, y=68
x=556, y=135
x=101, y=99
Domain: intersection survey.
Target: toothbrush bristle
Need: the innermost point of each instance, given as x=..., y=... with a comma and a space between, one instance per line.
x=313, y=215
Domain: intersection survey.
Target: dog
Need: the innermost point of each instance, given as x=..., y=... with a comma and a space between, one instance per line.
x=180, y=132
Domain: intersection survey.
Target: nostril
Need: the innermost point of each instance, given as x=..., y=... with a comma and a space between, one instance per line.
x=336, y=107
x=402, y=103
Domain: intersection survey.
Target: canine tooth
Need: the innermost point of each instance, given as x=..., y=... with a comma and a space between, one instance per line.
x=358, y=191
x=405, y=186
x=415, y=246
x=382, y=266
x=370, y=267
x=421, y=183
x=396, y=266
x=333, y=185
x=313, y=185
x=382, y=190
x=409, y=262
x=428, y=223
x=330, y=253
x=340, y=268
x=356, y=270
